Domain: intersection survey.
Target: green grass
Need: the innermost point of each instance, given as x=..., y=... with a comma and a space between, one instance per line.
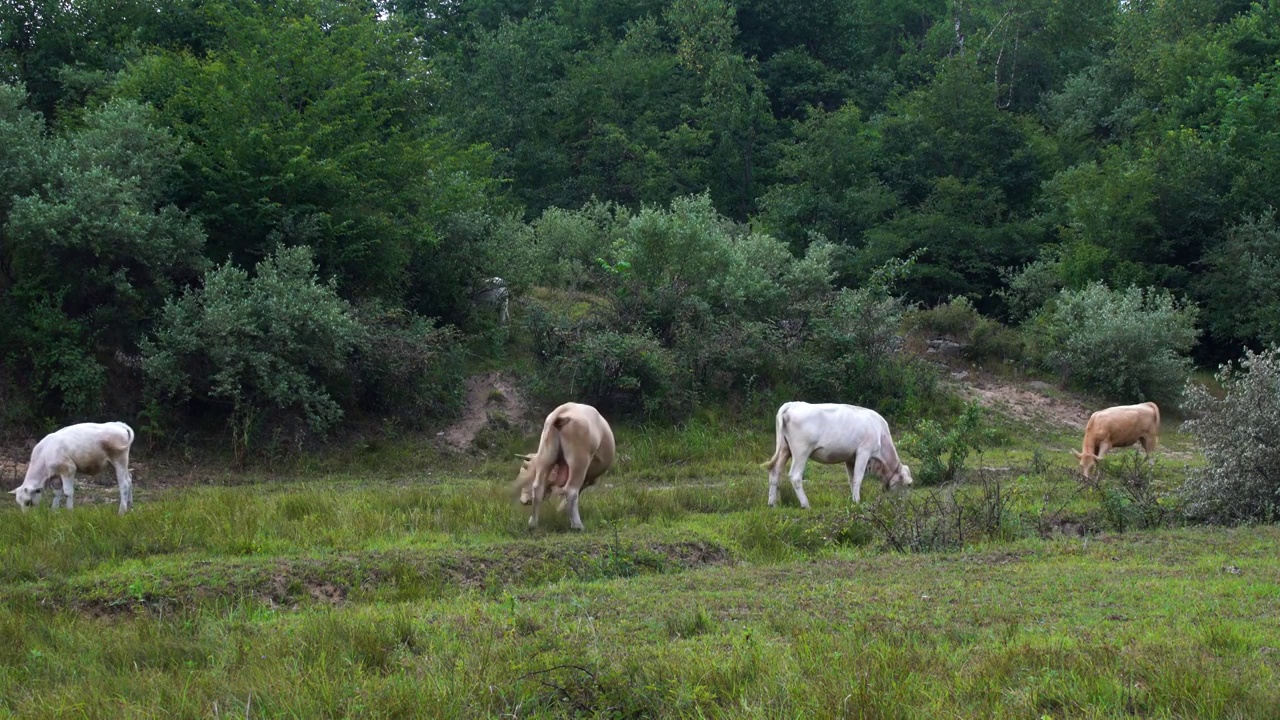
x=420, y=593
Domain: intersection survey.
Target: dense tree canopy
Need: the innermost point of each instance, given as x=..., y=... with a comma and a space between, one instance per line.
x=1013, y=148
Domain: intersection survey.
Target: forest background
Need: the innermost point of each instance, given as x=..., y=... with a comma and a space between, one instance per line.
x=269, y=220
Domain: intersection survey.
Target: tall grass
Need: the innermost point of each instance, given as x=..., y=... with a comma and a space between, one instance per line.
x=425, y=594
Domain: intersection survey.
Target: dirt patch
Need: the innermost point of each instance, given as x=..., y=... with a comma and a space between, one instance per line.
x=1029, y=402
x=491, y=398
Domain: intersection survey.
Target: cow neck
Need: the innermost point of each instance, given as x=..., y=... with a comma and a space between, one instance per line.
x=889, y=457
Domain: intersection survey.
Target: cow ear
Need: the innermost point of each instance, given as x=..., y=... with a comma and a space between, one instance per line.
x=1078, y=455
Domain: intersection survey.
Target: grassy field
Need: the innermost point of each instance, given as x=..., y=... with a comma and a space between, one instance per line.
x=393, y=583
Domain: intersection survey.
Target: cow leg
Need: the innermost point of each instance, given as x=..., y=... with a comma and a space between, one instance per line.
x=857, y=469
x=57, y=492
x=539, y=483
x=1102, y=448
x=69, y=489
x=577, y=476
x=1149, y=447
x=797, y=478
x=774, y=472
x=125, y=482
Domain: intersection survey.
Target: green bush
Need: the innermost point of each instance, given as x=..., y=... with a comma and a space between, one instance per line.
x=944, y=451
x=984, y=339
x=1240, y=434
x=625, y=372
x=1128, y=345
x=956, y=319
x=266, y=353
x=853, y=354
x=406, y=367
x=91, y=247
x=992, y=341
x=729, y=358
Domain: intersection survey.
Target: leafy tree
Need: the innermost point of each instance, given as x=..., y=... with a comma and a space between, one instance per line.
x=1241, y=286
x=829, y=188
x=91, y=246
x=310, y=124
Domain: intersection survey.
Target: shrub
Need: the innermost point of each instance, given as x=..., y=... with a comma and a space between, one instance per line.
x=623, y=372
x=955, y=319
x=1029, y=288
x=983, y=339
x=91, y=247
x=263, y=352
x=992, y=341
x=728, y=356
x=942, y=519
x=1131, y=495
x=567, y=245
x=853, y=354
x=1240, y=434
x=1126, y=344
x=406, y=367
x=932, y=443
x=1241, y=285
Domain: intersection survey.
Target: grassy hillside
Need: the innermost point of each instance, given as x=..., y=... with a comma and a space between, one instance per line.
x=338, y=591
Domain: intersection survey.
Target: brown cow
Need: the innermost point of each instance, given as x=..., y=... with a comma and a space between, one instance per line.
x=576, y=448
x=1117, y=427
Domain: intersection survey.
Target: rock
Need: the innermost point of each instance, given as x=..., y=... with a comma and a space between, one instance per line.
x=961, y=375
x=1039, y=386
x=945, y=347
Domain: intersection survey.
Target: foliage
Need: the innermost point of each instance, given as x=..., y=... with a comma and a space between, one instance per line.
x=931, y=442
x=1132, y=495
x=622, y=371
x=738, y=160
x=310, y=123
x=1126, y=344
x=1030, y=287
x=1241, y=285
x=91, y=246
x=939, y=519
x=406, y=367
x=982, y=339
x=261, y=352
x=1240, y=434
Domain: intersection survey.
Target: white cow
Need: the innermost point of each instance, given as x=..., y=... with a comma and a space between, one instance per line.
x=494, y=291
x=831, y=433
x=87, y=448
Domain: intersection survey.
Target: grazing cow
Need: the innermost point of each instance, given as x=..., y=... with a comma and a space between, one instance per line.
x=494, y=291
x=1117, y=427
x=575, y=449
x=86, y=448
x=832, y=433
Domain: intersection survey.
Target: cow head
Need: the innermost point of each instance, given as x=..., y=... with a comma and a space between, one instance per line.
x=26, y=496
x=900, y=479
x=1087, y=461
x=524, y=478
x=554, y=482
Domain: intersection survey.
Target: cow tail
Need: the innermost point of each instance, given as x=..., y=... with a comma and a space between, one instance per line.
x=781, y=446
